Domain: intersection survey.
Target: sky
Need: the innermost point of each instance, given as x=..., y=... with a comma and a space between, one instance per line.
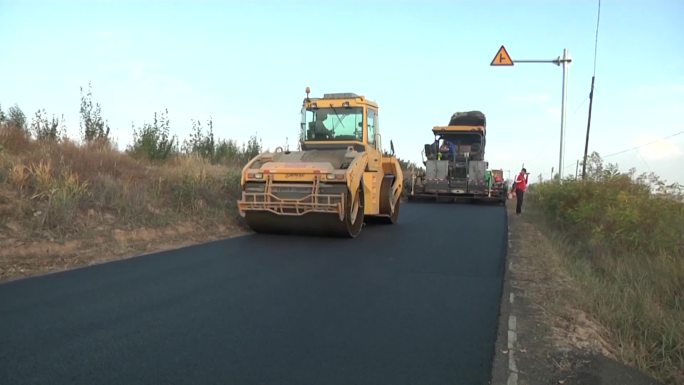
x=245, y=65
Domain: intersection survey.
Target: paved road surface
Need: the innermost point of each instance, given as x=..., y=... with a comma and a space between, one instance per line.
x=413, y=303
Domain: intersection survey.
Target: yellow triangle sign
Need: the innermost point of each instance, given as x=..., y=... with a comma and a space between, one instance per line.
x=502, y=58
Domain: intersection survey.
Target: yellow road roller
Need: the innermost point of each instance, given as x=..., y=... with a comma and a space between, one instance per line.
x=337, y=180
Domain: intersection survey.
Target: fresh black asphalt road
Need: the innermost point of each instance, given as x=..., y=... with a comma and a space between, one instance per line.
x=411, y=303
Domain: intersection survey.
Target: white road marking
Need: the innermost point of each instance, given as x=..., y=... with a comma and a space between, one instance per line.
x=511, y=363
x=512, y=379
x=512, y=339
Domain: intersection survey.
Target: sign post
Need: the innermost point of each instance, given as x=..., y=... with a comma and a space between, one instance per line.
x=502, y=58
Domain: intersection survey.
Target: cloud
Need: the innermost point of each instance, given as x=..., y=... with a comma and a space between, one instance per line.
x=658, y=149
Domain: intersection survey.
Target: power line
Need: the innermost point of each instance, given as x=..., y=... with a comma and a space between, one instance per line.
x=598, y=19
x=591, y=93
x=580, y=106
x=643, y=145
x=631, y=149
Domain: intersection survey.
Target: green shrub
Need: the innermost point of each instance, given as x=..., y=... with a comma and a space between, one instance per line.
x=16, y=118
x=251, y=149
x=203, y=144
x=200, y=143
x=227, y=152
x=231, y=190
x=617, y=215
x=154, y=141
x=47, y=129
x=631, y=236
x=94, y=128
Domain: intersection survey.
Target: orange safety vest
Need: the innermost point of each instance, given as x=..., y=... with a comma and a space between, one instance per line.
x=521, y=182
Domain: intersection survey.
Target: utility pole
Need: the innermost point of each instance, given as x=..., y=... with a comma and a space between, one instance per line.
x=564, y=61
x=586, y=141
x=591, y=93
x=502, y=58
x=576, y=168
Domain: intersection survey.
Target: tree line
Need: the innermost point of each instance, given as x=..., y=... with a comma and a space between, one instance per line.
x=153, y=141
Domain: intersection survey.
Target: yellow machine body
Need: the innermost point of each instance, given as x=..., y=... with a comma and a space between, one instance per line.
x=338, y=179
x=446, y=129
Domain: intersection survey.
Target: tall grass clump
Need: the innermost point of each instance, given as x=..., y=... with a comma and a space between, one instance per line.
x=197, y=186
x=628, y=234
x=55, y=187
x=62, y=192
x=13, y=137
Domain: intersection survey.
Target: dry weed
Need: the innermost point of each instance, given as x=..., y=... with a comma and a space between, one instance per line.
x=18, y=177
x=14, y=139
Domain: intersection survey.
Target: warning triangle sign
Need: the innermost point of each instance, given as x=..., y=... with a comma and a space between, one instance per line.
x=502, y=58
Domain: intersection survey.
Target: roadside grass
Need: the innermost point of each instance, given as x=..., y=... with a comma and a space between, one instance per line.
x=624, y=245
x=57, y=189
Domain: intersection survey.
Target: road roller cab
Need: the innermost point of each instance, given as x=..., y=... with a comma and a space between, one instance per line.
x=338, y=179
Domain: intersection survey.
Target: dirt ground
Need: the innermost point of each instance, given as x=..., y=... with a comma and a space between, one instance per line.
x=543, y=337
x=21, y=258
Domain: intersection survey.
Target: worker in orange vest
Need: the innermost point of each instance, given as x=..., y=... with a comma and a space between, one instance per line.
x=520, y=186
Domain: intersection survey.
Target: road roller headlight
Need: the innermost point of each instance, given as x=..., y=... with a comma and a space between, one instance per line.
x=255, y=175
x=333, y=176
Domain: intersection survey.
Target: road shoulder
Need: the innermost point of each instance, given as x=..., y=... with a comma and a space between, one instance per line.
x=542, y=337
x=24, y=257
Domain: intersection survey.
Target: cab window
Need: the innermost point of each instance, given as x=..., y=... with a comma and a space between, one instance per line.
x=371, y=127
x=330, y=124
